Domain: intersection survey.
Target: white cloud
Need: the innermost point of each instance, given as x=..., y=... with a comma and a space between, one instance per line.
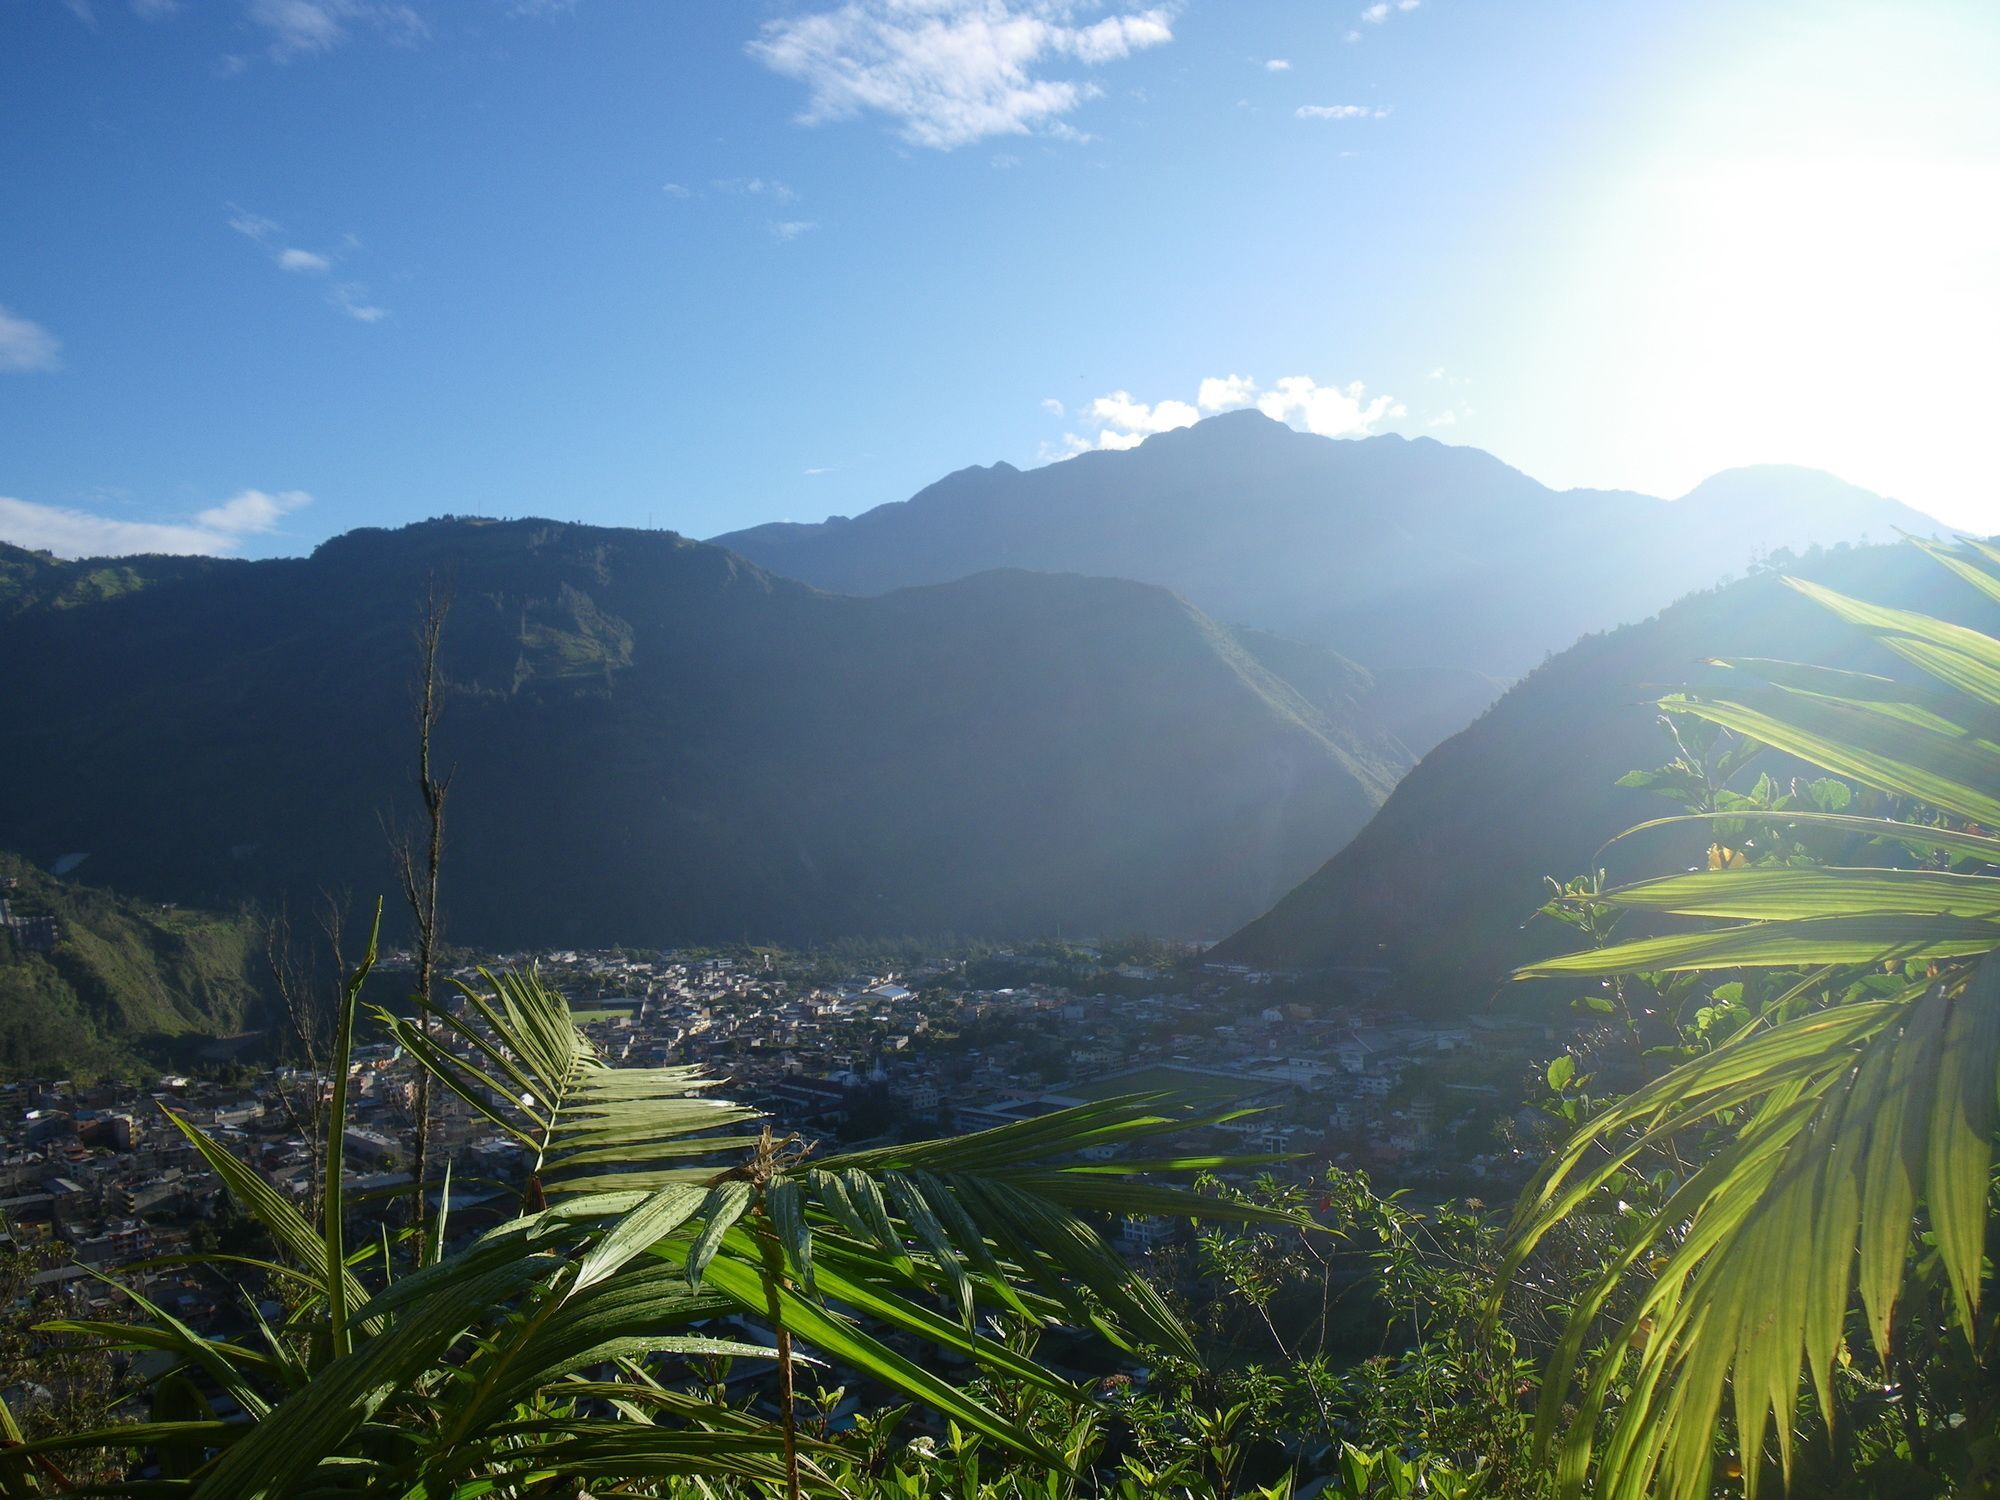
x=1329, y=410
x=299, y=28
x=351, y=298
x=756, y=187
x=251, y=511
x=254, y=226
x=1278, y=65
x=1443, y=419
x=1052, y=406
x=1379, y=12
x=674, y=190
x=1225, y=392
x=791, y=229
x=1123, y=421
x=215, y=532
x=1339, y=112
x=155, y=10
x=950, y=72
x=26, y=346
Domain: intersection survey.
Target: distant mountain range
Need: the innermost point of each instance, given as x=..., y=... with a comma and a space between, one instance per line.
x=1440, y=883
x=659, y=742
x=1395, y=552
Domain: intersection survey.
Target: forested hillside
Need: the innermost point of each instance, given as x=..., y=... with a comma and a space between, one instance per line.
x=656, y=741
x=1530, y=790
x=126, y=984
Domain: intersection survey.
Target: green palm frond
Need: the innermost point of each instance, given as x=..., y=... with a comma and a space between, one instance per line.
x=645, y=1219
x=512, y=1052
x=1845, y=1131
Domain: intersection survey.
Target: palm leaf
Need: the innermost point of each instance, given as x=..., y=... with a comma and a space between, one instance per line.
x=1843, y=1130
x=513, y=1053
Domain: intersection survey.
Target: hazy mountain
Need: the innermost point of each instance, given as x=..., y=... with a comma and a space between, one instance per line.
x=657, y=741
x=1439, y=884
x=125, y=982
x=1396, y=552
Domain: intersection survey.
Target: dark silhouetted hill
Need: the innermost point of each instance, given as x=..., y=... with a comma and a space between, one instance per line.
x=1439, y=884
x=657, y=741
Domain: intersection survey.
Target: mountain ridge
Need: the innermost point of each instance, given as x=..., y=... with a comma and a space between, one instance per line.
x=1529, y=789
x=1394, y=551
x=662, y=741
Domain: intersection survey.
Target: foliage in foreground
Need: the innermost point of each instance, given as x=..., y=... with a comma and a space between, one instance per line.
x=1804, y=1249
x=659, y=1233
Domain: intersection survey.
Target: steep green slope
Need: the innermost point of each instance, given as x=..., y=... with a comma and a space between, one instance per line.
x=657, y=741
x=32, y=580
x=1396, y=552
x=127, y=983
x=1440, y=883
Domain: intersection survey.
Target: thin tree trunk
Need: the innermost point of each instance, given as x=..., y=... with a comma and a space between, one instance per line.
x=420, y=880
x=774, y=1281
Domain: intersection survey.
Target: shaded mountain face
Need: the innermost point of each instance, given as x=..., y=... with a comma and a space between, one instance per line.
x=1395, y=552
x=656, y=741
x=1441, y=882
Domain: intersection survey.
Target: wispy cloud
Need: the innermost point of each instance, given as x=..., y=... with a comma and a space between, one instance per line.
x=217, y=531
x=1340, y=112
x=757, y=187
x=349, y=298
x=1278, y=65
x=155, y=10
x=951, y=72
x=26, y=346
x=1122, y=421
x=300, y=28
x=761, y=197
x=251, y=512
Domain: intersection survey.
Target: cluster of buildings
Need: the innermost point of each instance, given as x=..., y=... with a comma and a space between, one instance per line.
x=1334, y=1079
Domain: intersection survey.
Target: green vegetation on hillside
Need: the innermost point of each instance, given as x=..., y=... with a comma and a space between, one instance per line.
x=1535, y=785
x=127, y=985
x=1765, y=1254
x=681, y=747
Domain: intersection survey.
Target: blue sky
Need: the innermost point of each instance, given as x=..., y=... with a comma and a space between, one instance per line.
x=277, y=268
